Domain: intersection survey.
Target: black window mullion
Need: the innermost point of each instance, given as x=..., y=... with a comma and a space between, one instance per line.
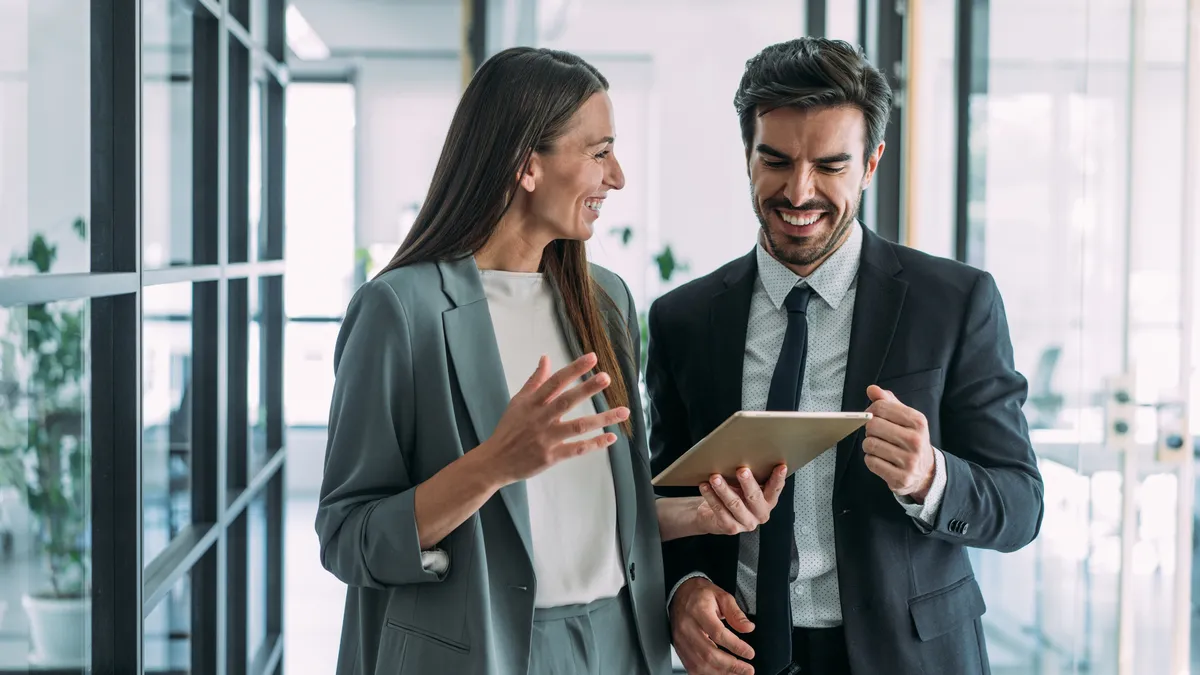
x=239, y=152
x=237, y=453
x=814, y=17
x=204, y=587
x=275, y=543
x=970, y=78
x=272, y=247
x=275, y=28
x=271, y=336
x=204, y=403
x=114, y=230
x=887, y=184
x=116, y=485
x=205, y=149
x=237, y=596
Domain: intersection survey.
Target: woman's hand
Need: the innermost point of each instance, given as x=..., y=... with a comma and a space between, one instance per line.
x=722, y=508
x=733, y=509
x=531, y=435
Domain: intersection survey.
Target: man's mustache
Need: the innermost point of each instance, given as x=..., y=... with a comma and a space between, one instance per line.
x=808, y=205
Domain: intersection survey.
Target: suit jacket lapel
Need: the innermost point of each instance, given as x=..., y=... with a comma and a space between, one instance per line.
x=471, y=342
x=619, y=453
x=728, y=321
x=877, y=306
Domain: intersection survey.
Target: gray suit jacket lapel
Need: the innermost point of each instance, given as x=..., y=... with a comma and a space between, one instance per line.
x=471, y=341
x=619, y=454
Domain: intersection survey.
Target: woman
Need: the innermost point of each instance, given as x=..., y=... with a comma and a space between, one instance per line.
x=464, y=371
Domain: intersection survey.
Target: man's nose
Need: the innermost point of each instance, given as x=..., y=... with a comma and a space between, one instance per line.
x=800, y=187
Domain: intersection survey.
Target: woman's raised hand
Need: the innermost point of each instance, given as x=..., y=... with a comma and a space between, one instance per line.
x=532, y=436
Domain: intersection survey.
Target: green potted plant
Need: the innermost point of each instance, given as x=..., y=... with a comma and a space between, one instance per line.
x=43, y=448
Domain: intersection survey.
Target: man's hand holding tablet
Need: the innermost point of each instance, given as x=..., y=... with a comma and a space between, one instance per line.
x=722, y=507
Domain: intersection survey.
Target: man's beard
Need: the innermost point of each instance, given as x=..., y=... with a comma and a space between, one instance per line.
x=799, y=250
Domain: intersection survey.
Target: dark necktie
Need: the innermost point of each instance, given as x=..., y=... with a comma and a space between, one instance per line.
x=773, y=616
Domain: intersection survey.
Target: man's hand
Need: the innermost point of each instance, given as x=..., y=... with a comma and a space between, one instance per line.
x=897, y=445
x=733, y=509
x=696, y=612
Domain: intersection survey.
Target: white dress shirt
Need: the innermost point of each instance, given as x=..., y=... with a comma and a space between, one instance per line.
x=816, y=600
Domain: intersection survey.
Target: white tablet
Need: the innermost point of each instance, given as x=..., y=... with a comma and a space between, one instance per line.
x=760, y=441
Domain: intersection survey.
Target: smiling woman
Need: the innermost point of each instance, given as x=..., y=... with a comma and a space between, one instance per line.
x=435, y=358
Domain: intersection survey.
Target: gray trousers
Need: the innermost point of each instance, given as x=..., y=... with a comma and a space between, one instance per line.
x=593, y=639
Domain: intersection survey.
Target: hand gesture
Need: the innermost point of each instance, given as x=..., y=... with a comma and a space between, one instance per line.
x=532, y=436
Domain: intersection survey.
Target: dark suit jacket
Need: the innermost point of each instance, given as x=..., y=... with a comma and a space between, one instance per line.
x=932, y=331
x=419, y=383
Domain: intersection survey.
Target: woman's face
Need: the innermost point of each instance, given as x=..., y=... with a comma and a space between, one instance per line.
x=566, y=187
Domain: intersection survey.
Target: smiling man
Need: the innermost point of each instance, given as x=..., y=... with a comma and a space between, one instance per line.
x=862, y=567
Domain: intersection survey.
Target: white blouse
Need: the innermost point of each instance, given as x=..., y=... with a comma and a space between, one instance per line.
x=572, y=505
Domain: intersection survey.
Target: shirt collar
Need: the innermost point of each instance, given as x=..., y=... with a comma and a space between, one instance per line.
x=830, y=280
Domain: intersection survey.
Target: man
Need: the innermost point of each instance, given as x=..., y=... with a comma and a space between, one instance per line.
x=862, y=566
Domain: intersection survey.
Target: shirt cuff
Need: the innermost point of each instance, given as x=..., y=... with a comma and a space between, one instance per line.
x=436, y=561
x=693, y=575
x=927, y=512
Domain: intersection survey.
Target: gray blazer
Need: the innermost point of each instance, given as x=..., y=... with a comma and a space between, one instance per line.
x=419, y=382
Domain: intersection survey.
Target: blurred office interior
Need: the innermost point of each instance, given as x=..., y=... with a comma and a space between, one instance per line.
x=191, y=190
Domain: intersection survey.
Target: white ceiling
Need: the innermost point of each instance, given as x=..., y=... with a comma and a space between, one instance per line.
x=384, y=25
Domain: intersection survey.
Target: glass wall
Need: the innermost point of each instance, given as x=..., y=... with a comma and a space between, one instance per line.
x=141, y=461
x=1073, y=199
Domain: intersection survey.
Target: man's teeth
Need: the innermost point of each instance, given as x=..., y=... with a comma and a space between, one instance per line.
x=594, y=204
x=793, y=220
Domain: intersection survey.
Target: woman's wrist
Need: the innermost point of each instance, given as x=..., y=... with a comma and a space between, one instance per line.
x=678, y=517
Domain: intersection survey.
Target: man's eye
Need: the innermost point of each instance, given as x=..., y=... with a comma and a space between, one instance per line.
x=602, y=155
x=774, y=164
x=833, y=169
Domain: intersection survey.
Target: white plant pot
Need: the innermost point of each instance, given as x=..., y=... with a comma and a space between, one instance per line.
x=58, y=630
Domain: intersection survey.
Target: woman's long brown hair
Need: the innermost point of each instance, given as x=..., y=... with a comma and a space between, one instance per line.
x=520, y=101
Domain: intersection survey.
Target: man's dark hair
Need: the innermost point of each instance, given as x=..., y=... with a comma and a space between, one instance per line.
x=812, y=72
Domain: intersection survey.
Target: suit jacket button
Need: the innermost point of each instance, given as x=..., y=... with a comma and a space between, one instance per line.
x=633, y=571
x=964, y=528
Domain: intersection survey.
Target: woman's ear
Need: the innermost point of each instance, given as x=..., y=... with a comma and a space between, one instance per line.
x=530, y=173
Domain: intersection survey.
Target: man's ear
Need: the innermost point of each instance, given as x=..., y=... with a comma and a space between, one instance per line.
x=872, y=164
x=531, y=173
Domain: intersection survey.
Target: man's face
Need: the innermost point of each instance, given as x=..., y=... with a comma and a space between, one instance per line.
x=807, y=176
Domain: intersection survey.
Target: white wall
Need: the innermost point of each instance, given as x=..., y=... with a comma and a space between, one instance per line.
x=404, y=110
x=700, y=197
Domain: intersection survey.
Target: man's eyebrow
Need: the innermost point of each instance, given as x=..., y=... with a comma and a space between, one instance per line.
x=764, y=149
x=835, y=159
x=603, y=141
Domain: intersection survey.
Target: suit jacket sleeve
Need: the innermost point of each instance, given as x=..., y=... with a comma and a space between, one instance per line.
x=669, y=439
x=993, y=494
x=365, y=519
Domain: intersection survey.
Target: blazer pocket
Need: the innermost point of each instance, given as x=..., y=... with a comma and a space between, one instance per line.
x=427, y=635
x=937, y=613
x=905, y=384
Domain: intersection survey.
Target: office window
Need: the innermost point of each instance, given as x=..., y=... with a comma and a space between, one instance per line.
x=258, y=578
x=136, y=319
x=45, y=506
x=169, y=632
x=169, y=393
x=45, y=136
